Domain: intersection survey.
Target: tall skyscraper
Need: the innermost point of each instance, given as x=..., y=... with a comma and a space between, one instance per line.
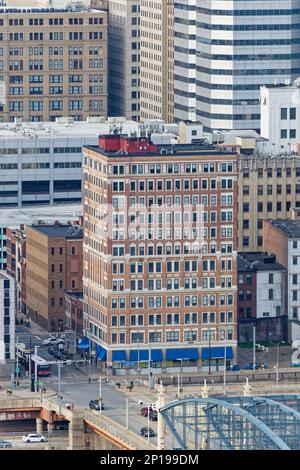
x=157, y=51
x=124, y=58
x=185, y=60
x=241, y=46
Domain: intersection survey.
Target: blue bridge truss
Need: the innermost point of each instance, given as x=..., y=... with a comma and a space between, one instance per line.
x=234, y=423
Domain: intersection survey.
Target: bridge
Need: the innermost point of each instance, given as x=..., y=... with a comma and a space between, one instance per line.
x=236, y=423
x=196, y=423
x=86, y=429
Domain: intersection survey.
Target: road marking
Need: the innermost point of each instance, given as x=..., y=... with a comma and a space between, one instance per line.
x=37, y=337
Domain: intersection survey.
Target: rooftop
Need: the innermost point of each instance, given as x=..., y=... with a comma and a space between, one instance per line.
x=63, y=127
x=288, y=226
x=257, y=261
x=13, y=218
x=117, y=144
x=60, y=230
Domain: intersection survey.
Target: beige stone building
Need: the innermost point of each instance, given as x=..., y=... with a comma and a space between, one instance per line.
x=54, y=266
x=269, y=188
x=157, y=59
x=53, y=64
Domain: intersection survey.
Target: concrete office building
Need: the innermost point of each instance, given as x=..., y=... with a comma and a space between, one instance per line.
x=280, y=116
x=54, y=265
x=7, y=321
x=157, y=59
x=269, y=188
x=53, y=63
x=241, y=46
x=124, y=59
x=185, y=60
x=159, y=256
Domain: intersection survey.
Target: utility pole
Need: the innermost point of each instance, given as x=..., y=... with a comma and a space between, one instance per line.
x=59, y=380
x=35, y=369
x=254, y=357
x=29, y=365
x=100, y=394
x=225, y=359
x=127, y=413
x=209, y=368
x=17, y=367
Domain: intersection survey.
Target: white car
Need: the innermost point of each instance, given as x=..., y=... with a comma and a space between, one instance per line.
x=49, y=341
x=153, y=406
x=34, y=438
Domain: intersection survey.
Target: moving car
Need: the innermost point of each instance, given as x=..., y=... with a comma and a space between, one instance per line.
x=5, y=444
x=49, y=341
x=34, y=438
x=62, y=426
x=144, y=410
x=234, y=367
x=147, y=431
x=95, y=405
x=294, y=364
x=153, y=415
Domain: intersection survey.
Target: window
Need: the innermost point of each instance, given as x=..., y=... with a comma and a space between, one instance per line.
x=292, y=113
x=271, y=294
x=271, y=278
x=283, y=114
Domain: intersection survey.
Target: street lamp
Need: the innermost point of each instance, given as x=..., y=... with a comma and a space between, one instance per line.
x=224, y=338
x=277, y=359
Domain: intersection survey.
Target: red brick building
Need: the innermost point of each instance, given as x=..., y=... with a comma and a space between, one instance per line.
x=54, y=265
x=160, y=241
x=74, y=311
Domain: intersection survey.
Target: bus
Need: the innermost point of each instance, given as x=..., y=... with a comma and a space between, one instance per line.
x=44, y=370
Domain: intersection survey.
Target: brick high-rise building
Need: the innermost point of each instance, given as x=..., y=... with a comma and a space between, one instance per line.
x=53, y=63
x=54, y=265
x=160, y=241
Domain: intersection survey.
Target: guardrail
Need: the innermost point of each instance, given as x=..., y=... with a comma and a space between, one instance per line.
x=233, y=377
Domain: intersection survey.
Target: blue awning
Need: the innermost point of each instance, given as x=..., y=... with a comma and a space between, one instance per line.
x=143, y=355
x=184, y=354
x=84, y=343
x=100, y=353
x=118, y=356
x=217, y=353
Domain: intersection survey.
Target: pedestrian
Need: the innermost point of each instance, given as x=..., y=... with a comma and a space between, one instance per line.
x=89, y=380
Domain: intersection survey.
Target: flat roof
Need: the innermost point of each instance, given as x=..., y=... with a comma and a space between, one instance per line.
x=288, y=226
x=257, y=261
x=60, y=230
x=14, y=217
x=29, y=131
x=165, y=150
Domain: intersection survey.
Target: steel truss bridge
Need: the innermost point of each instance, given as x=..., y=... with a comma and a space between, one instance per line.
x=234, y=423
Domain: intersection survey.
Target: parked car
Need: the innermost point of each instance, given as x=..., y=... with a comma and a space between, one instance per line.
x=147, y=431
x=294, y=364
x=95, y=405
x=5, y=444
x=250, y=366
x=34, y=438
x=62, y=426
x=234, y=367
